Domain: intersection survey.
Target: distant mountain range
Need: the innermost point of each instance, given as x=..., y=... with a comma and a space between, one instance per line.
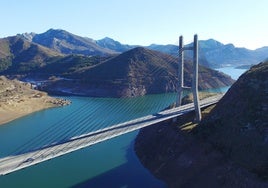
x=219, y=55
x=215, y=53
x=67, y=43
x=108, y=68
x=135, y=72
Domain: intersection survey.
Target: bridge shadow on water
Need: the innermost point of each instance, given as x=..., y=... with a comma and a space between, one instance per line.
x=127, y=175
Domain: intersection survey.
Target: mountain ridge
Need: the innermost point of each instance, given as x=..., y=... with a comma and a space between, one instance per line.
x=136, y=72
x=216, y=53
x=18, y=53
x=67, y=43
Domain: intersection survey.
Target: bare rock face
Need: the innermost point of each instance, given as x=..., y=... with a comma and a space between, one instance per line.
x=60, y=102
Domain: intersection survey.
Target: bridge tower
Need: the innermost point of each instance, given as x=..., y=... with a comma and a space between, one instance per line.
x=194, y=86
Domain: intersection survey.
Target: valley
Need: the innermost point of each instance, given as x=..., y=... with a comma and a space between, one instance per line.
x=101, y=72
x=123, y=71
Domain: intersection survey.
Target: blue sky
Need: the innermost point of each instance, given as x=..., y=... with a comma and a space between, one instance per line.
x=143, y=22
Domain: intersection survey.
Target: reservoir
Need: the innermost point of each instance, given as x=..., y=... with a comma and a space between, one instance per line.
x=112, y=163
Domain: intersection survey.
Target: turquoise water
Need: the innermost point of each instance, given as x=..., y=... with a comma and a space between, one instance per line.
x=112, y=163
x=233, y=72
x=82, y=116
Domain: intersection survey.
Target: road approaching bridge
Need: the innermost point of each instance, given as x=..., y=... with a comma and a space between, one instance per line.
x=13, y=163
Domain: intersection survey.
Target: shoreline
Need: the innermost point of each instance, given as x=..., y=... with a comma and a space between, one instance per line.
x=18, y=99
x=23, y=107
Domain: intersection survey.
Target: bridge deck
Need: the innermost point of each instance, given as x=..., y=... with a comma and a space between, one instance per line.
x=13, y=163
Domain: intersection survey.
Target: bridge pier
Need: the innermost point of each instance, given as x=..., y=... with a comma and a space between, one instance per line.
x=194, y=87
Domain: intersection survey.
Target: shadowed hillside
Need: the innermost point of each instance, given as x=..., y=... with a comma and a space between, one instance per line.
x=242, y=117
x=134, y=73
x=228, y=149
x=19, y=56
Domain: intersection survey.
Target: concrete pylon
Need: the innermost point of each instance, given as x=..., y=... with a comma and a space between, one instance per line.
x=194, y=87
x=180, y=72
x=195, y=80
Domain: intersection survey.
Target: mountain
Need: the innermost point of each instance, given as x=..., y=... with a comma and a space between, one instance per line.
x=68, y=43
x=174, y=51
x=168, y=49
x=111, y=44
x=27, y=36
x=20, y=55
x=213, y=53
x=136, y=72
x=262, y=52
x=226, y=55
x=68, y=65
x=229, y=55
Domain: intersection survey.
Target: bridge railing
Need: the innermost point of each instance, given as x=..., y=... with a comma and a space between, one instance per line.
x=16, y=162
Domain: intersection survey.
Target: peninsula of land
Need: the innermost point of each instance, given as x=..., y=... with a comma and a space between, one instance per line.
x=18, y=99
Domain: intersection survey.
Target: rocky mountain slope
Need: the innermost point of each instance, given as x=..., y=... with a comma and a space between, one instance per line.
x=136, y=72
x=68, y=43
x=228, y=149
x=20, y=55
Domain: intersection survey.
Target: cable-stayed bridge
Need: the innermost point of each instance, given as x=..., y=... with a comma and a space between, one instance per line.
x=59, y=140
x=13, y=163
